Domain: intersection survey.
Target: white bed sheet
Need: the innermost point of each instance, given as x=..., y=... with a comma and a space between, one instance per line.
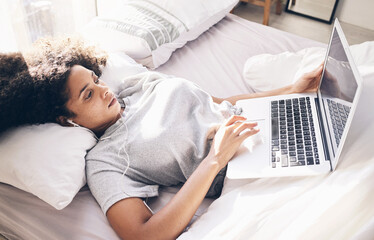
x=215, y=62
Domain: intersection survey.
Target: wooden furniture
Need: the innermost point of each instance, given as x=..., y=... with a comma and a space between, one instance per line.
x=266, y=4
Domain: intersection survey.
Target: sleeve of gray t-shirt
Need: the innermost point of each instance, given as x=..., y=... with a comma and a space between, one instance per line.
x=109, y=185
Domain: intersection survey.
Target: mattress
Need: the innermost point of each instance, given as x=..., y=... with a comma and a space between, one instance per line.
x=215, y=62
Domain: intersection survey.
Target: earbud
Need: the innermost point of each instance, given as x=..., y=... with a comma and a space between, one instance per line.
x=72, y=123
x=79, y=126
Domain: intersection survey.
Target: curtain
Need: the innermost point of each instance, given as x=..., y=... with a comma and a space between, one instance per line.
x=24, y=21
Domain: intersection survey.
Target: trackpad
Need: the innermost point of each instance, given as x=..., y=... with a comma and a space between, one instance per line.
x=255, y=141
x=253, y=154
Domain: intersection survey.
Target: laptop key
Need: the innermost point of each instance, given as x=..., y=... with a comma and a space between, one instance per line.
x=309, y=154
x=284, y=161
x=274, y=128
x=291, y=148
x=310, y=160
x=301, y=163
x=300, y=157
x=296, y=164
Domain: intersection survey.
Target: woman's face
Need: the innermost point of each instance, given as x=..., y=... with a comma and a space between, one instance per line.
x=93, y=103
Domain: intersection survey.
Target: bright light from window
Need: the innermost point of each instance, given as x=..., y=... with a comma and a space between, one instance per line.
x=24, y=21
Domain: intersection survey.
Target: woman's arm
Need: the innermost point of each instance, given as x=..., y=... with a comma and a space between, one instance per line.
x=131, y=219
x=309, y=82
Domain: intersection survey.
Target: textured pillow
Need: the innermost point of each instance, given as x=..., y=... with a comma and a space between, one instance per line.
x=266, y=71
x=150, y=30
x=48, y=160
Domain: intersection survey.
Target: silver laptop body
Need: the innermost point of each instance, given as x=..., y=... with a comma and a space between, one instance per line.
x=302, y=134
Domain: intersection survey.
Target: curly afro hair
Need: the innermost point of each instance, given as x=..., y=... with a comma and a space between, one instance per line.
x=16, y=90
x=33, y=85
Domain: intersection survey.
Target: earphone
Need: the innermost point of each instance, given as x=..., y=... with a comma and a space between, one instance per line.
x=73, y=123
x=127, y=158
x=77, y=125
x=122, y=148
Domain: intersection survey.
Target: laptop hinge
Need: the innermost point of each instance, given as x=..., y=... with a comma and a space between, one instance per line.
x=322, y=130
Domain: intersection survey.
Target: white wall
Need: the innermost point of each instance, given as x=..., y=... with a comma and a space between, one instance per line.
x=356, y=12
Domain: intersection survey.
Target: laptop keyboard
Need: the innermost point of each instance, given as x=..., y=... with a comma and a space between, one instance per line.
x=293, y=134
x=338, y=114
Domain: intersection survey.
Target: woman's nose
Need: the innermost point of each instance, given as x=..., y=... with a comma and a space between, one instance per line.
x=104, y=91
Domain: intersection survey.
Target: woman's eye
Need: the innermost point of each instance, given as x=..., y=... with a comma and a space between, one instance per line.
x=89, y=95
x=97, y=81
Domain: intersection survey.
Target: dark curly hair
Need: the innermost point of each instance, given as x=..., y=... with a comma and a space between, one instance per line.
x=16, y=90
x=33, y=85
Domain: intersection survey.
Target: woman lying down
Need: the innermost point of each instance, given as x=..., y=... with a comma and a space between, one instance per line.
x=159, y=130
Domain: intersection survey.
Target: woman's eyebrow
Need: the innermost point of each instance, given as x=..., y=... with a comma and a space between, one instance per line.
x=85, y=86
x=82, y=90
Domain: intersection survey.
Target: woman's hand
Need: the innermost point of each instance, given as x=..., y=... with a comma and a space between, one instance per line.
x=229, y=137
x=309, y=82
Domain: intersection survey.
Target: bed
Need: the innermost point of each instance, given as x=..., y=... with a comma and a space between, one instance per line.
x=334, y=206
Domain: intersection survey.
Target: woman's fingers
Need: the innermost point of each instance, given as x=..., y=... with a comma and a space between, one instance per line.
x=244, y=126
x=247, y=134
x=315, y=73
x=233, y=119
x=319, y=70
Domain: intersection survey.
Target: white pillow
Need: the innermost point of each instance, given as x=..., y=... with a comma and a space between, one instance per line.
x=118, y=67
x=266, y=71
x=149, y=31
x=46, y=160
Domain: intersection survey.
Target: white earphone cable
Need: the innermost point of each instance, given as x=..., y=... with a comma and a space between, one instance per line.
x=126, y=157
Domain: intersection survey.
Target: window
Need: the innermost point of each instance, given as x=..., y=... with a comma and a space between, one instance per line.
x=24, y=21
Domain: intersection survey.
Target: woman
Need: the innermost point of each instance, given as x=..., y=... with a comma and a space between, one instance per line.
x=159, y=130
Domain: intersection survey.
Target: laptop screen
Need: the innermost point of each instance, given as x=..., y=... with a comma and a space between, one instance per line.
x=338, y=88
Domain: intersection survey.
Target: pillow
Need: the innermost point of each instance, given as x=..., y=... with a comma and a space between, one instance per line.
x=149, y=31
x=118, y=67
x=267, y=71
x=288, y=67
x=48, y=160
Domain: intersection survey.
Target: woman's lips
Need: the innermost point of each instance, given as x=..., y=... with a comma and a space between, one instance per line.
x=114, y=100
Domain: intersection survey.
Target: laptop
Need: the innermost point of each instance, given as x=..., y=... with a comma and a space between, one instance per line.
x=302, y=134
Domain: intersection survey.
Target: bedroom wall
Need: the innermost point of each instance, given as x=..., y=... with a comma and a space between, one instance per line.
x=356, y=12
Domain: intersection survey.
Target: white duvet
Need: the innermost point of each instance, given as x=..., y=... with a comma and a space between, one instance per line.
x=339, y=205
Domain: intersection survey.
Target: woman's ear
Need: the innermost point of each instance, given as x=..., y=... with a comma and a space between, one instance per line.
x=63, y=121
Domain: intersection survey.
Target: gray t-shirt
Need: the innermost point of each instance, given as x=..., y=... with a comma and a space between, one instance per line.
x=164, y=133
